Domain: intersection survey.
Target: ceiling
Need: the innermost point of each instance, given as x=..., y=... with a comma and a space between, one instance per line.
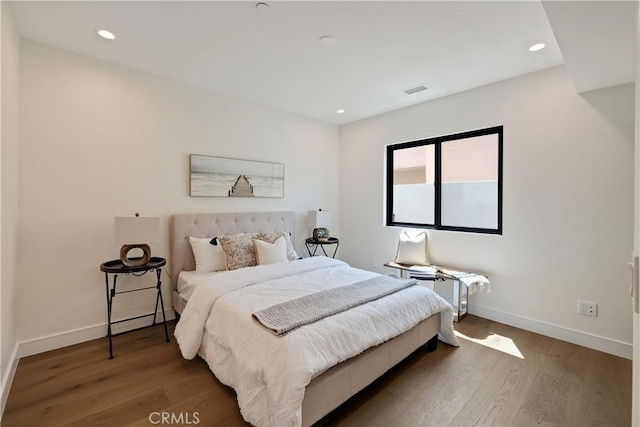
x=381, y=48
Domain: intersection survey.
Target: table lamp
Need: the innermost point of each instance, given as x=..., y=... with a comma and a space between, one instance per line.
x=320, y=221
x=136, y=233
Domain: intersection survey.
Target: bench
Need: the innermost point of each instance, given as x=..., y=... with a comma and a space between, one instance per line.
x=464, y=283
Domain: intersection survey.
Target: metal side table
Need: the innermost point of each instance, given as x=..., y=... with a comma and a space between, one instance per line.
x=116, y=267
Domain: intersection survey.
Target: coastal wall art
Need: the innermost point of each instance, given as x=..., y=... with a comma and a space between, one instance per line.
x=223, y=177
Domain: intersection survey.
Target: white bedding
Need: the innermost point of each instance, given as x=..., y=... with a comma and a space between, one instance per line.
x=270, y=373
x=185, y=285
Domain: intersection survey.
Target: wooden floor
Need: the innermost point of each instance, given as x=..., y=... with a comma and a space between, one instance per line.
x=538, y=380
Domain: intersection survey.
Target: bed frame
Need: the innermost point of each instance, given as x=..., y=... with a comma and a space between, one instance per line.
x=333, y=387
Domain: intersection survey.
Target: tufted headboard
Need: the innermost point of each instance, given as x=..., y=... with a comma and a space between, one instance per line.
x=218, y=224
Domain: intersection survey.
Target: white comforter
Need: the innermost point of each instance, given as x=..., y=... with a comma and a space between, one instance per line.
x=270, y=373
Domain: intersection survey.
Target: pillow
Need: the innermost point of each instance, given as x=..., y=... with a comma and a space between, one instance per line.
x=271, y=253
x=273, y=235
x=238, y=250
x=208, y=257
x=412, y=250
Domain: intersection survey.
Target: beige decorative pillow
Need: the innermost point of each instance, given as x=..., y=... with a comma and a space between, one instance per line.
x=271, y=253
x=238, y=250
x=412, y=249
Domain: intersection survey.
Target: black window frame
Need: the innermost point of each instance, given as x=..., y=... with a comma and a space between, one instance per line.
x=437, y=141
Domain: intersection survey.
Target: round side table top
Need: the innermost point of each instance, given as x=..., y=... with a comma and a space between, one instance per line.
x=116, y=266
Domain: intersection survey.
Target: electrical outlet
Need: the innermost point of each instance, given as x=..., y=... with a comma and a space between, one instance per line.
x=588, y=308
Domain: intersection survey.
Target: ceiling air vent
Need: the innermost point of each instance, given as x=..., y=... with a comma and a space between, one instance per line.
x=415, y=90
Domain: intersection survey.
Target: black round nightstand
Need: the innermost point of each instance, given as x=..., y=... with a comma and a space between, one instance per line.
x=116, y=267
x=315, y=244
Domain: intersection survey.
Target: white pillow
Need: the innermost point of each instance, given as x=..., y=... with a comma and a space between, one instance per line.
x=273, y=235
x=412, y=250
x=271, y=253
x=208, y=257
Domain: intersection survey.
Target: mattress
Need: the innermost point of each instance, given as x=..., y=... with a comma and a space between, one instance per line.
x=185, y=284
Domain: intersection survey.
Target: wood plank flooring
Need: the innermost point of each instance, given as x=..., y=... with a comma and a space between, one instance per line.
x=538, y=381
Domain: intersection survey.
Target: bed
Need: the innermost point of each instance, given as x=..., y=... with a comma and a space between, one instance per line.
x=329, y=384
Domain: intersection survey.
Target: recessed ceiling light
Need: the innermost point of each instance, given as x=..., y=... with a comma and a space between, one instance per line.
x=262, y=7
x=340, y=111
x=327, y=41
x=106, y=34
x=536, y=47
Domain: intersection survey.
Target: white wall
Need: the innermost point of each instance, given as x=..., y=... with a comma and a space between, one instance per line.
x=568, y=202
x=9, y=197
x=635, y=390
x=99, y=140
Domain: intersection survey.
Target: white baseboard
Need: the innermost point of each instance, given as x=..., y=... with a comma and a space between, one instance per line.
x=595, y=342
x=77, y=336
x=7, y=378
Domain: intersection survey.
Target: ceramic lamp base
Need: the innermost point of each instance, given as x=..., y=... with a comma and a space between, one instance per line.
x=137, y=261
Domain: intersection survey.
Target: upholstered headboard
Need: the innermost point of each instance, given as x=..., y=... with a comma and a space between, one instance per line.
x=219, y=224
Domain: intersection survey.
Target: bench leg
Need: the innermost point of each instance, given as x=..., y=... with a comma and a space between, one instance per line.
x=460, y=300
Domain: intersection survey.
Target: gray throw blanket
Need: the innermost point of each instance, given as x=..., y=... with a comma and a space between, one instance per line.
x=284, y=317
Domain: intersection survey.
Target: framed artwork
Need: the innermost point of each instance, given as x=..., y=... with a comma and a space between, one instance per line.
x=224, y=177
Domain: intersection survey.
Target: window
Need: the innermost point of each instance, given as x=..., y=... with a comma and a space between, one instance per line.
x=451, y=182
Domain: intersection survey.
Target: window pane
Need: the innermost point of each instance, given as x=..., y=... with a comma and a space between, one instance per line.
x=470, y=182
x=413, y=185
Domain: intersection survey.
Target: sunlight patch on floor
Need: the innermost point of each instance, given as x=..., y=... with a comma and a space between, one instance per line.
x=496, y=342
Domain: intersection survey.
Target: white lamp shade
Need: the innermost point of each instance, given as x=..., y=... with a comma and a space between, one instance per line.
x=319, y=219
x=131, y=230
